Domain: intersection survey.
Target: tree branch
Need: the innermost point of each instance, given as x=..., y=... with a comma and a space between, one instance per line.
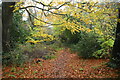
x=30, y=17
x=42, y=20
x=59, y=6
x=52, y=7
x=41, y=9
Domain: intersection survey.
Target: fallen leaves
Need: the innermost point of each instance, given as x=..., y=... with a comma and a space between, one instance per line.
x=66, y=65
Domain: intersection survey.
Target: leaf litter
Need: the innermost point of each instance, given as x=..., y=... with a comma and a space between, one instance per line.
x=65, y=65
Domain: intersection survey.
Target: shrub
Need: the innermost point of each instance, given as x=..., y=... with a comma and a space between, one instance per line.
x=15, y=58
x=23, y=53
x=105, y=50
x=49, y=56
x=19, y=31
x=36, y=50
x=87, y=45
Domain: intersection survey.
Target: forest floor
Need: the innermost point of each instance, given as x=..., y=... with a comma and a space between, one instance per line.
x=66, y=65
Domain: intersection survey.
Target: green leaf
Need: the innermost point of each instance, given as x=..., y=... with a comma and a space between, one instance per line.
x=11, y=75
x=81, y=69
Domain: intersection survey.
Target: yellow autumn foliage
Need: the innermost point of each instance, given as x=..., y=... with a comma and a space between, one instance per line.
x=78, y=18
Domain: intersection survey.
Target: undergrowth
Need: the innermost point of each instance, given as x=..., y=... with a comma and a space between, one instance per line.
x=26, y=52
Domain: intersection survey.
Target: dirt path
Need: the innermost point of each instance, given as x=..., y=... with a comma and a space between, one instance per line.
x=66, y=65
x=60, y=64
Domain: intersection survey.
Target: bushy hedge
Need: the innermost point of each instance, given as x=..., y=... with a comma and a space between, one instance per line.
x=87, y=45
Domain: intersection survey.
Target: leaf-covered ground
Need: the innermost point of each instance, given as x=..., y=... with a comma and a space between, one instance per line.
x=66, y=65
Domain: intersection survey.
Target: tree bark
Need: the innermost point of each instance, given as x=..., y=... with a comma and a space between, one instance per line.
x=116, y=47
x=7, y=14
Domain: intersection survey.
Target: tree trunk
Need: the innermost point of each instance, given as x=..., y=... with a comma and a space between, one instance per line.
x=116, y=48
x=7, y=14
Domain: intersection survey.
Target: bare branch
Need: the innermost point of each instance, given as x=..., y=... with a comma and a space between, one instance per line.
x=34, y=7
x=30, y=17
x=59, y=6
x=52, y=7
x=41, y=9
x=41, y=20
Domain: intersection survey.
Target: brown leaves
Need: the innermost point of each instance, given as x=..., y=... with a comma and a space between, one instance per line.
x=66, y=65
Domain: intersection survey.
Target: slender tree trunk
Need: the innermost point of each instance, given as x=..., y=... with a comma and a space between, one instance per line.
x=116, y=48
x=7, y=14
